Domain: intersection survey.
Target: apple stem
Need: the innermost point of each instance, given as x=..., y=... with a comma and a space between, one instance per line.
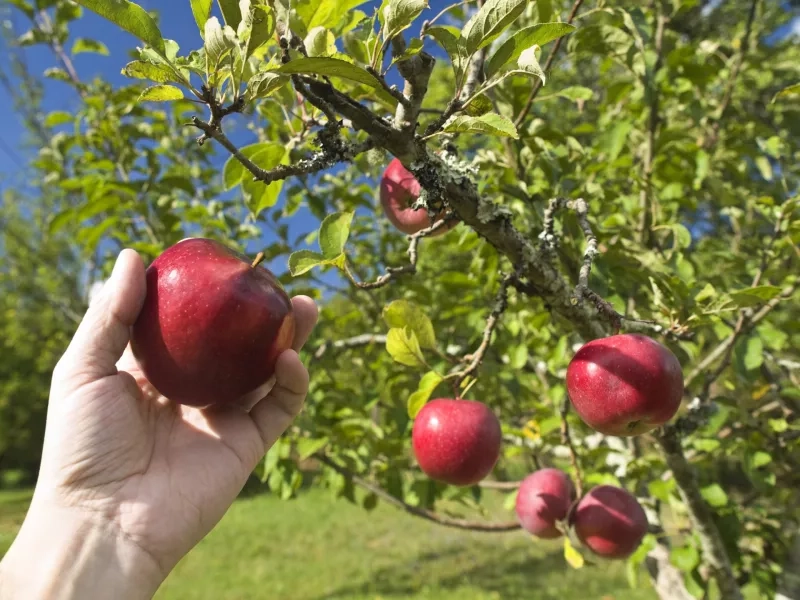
x=259, y=257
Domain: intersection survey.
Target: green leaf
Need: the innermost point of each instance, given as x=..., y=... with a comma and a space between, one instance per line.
x=753, y=355
x=414, y=47
x=320, y=42
x=161, y=93
x=617, y=138
x=24, y=7
x=333, y=233
x=764, y=167
x=529, y=64
x=489, y=22
x=256, y=27
x=478, y=106
x=571, y=554
x=58, y=117
x=331, y=67
x=201, y=9
x=706, y=293
x=231, y=12
x=403, y=346
x=536, y=35
x=753, y=296
x=788, y=92
x=233, y=172
x=265, y=84
x=545, y=10
x=685, y=558
x=130, y=17
x=714, y=495
x=308, y=446
x=450, y=39
x=304, y=260
x=426, y=386
x=489, y=124
x=86, y=45
x=219, y=41
x=402, y=313
x=144, y=70
x=400, y=14
x=323, y=13
x=576, y=92
x=759, y=459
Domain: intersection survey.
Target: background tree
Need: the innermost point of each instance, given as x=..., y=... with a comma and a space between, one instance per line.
x=608, y=167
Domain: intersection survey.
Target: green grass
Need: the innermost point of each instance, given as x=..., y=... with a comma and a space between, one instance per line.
x=316, y=548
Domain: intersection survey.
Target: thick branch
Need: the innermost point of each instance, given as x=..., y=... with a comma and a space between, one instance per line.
x=714, y=552
x=645, y=194
x=537, y=84
x=416, y=72
x=428, y=515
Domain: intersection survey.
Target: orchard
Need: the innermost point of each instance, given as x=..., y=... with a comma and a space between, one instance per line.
x=554, y=245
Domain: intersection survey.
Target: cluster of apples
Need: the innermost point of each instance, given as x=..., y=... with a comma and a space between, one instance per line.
x=622, y=385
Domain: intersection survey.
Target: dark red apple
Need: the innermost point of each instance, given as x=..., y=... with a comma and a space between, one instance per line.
x=609, y=521
x=212, y=325
x=543, y=498
x=456, y=441
x=625, y=385
x=398, y=191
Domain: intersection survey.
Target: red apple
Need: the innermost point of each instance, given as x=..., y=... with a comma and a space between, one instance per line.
x=610, y=522
x=625, y=385
x=399, y=190
x=212, y=325
x=456, y=441
x=543, y=498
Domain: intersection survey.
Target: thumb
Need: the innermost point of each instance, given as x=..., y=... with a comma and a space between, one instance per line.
x=104, y=331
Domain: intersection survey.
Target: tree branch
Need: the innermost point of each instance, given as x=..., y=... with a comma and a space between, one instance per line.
x=392, y=272
x=713, y=547
x=566, y=439
x=537, y=84
x=416, y=72
x=365, y=339
x=423, y=513
x=500, y=304
x=645, y=194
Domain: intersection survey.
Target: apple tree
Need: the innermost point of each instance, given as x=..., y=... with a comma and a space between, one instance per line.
x=481, y=196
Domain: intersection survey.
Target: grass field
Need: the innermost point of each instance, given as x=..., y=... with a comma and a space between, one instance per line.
x=318, y=548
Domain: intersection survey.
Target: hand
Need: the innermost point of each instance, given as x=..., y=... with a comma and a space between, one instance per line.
x=145, y=478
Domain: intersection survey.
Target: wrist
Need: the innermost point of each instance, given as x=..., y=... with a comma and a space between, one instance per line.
x=60, y=554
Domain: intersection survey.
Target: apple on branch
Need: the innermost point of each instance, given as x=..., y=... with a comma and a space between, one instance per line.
x=544, y=498
x=456, y=441
x=399, y=189
x=213, y=324
x=625, y=385
x=610, y=522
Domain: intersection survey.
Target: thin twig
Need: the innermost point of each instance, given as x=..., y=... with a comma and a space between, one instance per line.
x=392, y=272
x=365, y=339
x=566, y=439
x=390, y=89
x=423, y=513
x=443, y=12
x=537, y=84
x=507, y=486
x=500, y=305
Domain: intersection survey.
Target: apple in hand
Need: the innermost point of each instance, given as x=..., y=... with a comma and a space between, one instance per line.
x=456, y=441
x=625, y=385
x=399, y=189
x=610, y=522
x=543, y=498
x=212, y=326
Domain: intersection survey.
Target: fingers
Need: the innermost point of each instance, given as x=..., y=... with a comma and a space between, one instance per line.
x=305, y=315
x=104, y=332
x=273, y=415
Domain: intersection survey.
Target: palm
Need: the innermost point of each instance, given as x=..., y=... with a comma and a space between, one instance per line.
x=163, y=474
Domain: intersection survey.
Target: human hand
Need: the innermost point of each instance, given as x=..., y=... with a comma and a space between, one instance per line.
x=140, y=478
